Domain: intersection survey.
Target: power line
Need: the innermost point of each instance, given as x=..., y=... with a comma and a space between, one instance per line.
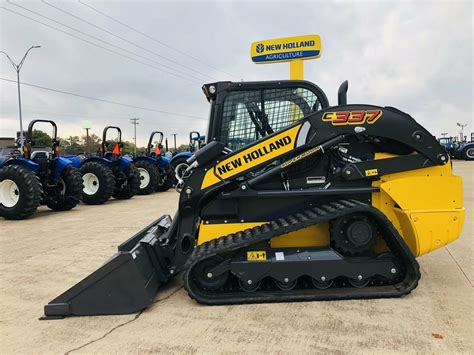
x=65, y=114
x=155, y=40
x=106, y=101
x=92, y=43
x=184, y=76
x=125, y=40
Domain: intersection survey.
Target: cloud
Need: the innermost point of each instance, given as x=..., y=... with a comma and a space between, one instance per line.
x=414, y=56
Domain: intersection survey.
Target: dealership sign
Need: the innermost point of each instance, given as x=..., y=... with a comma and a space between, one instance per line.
x=286, y=49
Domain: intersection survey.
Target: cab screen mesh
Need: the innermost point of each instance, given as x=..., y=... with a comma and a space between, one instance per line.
x=252, y=114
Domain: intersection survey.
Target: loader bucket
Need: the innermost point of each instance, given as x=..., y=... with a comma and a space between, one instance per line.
x=126, y=283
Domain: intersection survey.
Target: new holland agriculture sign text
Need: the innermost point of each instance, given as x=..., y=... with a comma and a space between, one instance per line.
x=286, y=49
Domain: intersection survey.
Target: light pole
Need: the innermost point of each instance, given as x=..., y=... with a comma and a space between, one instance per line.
x=462, y=130
x=17, y=68
x=134, y=121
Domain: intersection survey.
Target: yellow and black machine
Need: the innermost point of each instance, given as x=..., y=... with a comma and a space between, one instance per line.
x=291, y=199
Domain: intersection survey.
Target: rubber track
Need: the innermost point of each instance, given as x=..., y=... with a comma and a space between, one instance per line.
x=293, y=223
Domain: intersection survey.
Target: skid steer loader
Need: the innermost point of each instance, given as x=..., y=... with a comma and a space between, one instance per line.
x=290, y=200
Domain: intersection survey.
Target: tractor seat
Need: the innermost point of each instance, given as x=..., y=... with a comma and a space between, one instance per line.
x=111, y=156
x=40, y=156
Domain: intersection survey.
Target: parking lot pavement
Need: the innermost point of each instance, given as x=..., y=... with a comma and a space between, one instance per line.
x=43, y=256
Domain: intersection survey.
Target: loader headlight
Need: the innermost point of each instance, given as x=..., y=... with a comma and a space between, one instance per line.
x=212, y=89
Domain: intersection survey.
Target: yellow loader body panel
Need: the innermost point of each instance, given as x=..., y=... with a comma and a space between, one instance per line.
x=424, y=205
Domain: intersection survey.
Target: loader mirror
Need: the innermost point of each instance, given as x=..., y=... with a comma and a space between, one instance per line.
x=342, y=93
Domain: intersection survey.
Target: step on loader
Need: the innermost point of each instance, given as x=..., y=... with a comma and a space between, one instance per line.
x=290, y=200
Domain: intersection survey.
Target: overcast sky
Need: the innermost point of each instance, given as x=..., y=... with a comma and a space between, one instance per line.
x=413, y=56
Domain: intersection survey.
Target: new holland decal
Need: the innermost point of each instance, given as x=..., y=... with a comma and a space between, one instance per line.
x=342, y=118
x=254, y=155
x=266, y=150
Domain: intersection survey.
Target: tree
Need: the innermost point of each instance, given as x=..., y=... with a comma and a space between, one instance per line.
x=72, y=145
x=94, y=143
x=129, y=148
x=182, y=148
x=41, y=139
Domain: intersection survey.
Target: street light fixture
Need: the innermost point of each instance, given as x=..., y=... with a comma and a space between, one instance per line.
x=17, y=68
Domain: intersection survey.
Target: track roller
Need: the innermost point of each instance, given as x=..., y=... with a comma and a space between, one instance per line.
x=286, y=285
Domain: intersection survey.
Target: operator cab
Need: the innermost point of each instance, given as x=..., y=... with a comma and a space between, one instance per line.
x=242, y=113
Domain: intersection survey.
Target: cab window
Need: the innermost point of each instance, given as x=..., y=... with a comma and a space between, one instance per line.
x=252, y=114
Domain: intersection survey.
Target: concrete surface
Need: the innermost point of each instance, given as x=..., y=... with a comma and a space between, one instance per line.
x=43, y=256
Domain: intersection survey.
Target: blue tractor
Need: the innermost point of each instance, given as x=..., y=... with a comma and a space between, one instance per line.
x=178, y=162
x=458, y=150
x=155, y=170
x=108, y=174
x=31, y=178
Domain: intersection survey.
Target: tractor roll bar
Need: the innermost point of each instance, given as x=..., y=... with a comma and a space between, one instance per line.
x=104, y=137
x=32, y=123
x=104, y=133
x=150, y=141
x=192, y=134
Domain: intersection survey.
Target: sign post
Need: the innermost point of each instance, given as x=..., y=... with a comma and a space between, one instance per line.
x=290, y=49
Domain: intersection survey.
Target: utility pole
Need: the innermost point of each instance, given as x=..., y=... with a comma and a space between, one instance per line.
x=87, y=125
x=462, y=131
x=17, y=68
x=174, y=135
x=134, y=121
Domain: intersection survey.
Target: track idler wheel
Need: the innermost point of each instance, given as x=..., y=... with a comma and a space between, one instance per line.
x=204, y=277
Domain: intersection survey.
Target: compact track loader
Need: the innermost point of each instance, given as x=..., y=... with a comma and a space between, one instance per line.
x=290, y=200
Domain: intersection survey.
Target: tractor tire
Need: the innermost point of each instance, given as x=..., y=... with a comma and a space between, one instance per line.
x=149, y=177
x=20, y=192
x=168, y=182
x=468, y=153
x=99, y=182
x=71, y=192
x=131, y=186
x=179, y=166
